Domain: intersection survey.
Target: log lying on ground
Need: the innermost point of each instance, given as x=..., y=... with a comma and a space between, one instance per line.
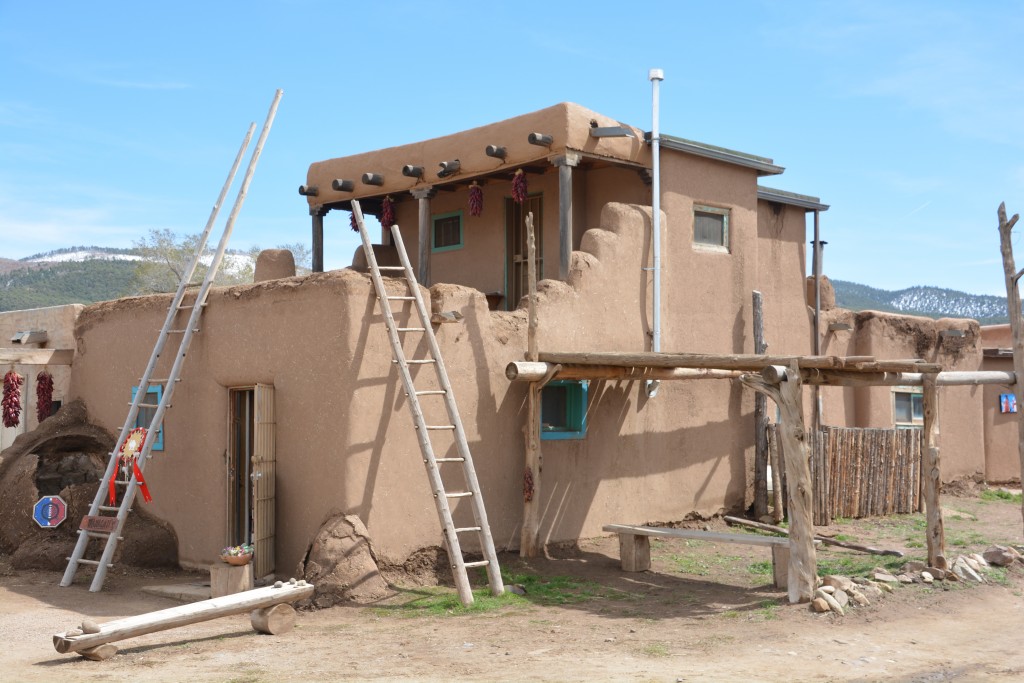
x=824, y=539
x=182, y=615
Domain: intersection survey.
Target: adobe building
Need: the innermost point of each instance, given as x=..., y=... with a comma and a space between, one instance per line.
x=315, y=350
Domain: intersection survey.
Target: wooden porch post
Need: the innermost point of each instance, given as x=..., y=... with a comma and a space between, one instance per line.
x=760, y=420
x=565, y=164
x=784, y=386
x=424, y=195
x=318, y=212
x=932, y=479
x=1016, y=324
x=530, y=533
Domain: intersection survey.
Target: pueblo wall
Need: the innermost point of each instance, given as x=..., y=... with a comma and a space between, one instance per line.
x=345, y=441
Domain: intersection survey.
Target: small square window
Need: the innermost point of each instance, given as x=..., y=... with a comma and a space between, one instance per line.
x=711, y=226
x=447, y=232
x=563, y=410
x=908, y=409
x=145, y=416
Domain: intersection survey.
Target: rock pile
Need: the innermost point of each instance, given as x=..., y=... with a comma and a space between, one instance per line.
x=837, y=593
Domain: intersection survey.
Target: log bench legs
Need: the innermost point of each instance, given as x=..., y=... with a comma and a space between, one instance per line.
x=635, y=554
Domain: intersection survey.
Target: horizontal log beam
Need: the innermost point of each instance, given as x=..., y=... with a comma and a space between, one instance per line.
x=526, y=371
x=747, y=362
x=912, y=379
x=15, y=356
x=183, y=615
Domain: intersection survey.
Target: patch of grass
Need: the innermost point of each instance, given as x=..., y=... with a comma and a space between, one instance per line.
x=435, y=601
x=769, y=610
x=997, y=575
x=913, y=542
x=857, y=565
x=655, y=650
x=967, y=539
x=760, y=568
x=700, y=565
x=845, y=537
x=730, y=614
x=994, y=495
x=564, y=590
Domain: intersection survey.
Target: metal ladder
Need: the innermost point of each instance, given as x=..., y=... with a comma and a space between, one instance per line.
x=423, y=430
x=172, y=326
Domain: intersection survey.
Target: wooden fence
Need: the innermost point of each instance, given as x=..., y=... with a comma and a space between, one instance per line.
x=860, y=472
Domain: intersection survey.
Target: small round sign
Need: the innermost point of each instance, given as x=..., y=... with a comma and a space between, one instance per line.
x=50, y=511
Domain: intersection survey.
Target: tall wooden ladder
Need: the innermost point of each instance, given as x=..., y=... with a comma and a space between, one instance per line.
x=432, y=358
x=112, y=518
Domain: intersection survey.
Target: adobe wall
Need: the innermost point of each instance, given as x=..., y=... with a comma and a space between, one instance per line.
x=320, y=341
x=1002, y=459
x=59, y=323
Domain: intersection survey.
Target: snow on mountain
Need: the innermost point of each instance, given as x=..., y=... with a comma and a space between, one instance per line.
x=83, y=255
x=932, y=302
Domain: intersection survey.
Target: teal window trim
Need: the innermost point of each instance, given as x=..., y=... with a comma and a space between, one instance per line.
x=153, y=395
x=575, y=411
x=433, y=231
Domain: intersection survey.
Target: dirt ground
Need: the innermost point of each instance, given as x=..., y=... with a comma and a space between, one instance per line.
x=704, y=613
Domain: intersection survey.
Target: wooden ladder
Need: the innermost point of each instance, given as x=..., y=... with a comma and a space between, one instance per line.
x=106, y=522
x=424, y=430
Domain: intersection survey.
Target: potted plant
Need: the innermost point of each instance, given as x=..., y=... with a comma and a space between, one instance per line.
x=237, y=555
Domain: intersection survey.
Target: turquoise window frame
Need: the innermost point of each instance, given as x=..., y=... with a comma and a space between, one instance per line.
x=153, y=395
x=575, y=408
x=433, y=231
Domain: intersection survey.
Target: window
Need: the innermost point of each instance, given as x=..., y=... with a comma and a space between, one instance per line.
x=145, y=416
x=447, y=233
x=711, y=226
x=563, y=410
x=908, y=408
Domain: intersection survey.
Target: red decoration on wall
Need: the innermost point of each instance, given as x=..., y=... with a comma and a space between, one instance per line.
x=476, y=199
x=387, y=213
x=11, y=403
x=352, y=222
x=519, y=187
x=131, y=451
x=44, y=395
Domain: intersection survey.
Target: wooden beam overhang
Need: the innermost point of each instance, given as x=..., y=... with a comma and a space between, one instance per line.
x=9, y=356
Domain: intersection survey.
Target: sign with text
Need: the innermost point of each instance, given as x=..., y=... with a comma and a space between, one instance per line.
x=50, y=511
x=105, y=525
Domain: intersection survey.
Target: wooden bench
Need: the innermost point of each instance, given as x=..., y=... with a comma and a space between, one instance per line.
x=635, y=546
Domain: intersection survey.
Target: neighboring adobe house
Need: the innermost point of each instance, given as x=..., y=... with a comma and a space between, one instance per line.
x=44, y=329
x=344, y=440
x=1002, y=460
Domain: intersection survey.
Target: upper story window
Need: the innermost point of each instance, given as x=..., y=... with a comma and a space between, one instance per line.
x=447, y=232
x=711, y=227
x=907, y=408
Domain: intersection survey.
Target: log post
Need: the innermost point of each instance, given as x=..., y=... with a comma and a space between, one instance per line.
x=932, y=474
x=760, y=420
x=803, y=572
x=530, y=534
x=317, y=213
x=423, y=195
x=1016, y=323
x=565, y=164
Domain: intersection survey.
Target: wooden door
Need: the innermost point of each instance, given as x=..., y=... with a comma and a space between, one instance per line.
x=264, y=463
x=516, y=270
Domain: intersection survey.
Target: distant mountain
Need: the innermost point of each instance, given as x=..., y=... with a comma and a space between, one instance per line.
x=932, y=302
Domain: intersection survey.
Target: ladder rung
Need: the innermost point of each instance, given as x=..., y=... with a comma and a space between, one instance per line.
x=107, y=508
x=98, y=534
x=467, y=528
x=481, y=563
x=189, y=306
x=410, y=329
x=417, y=362
x=161, y=381
x=430, y=391
x=92, y=562
x=150, y=405
x=448, y=460
x=440, y=426
x=458, y=494
x=194, y=329
x=400, y=298
x=119, y=482
x=390, y=267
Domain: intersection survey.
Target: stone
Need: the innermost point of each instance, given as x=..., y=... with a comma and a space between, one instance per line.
x=273, y=264
x=90, y=626
x=341, y=564
x=831, y=602
x=913, y=566
x=842, y=598
x=926, y=577
x=858, y=598
x=971, y=562
x=827, y=589
x=980, y=559
x=999, y=555
x=963, y=570
x=905, y=578
x=937, y=574
x=873, y=592
x=884, y=577
x=73, y=632
x=819, y=605
x=861, y=581
x=885, y=587
x=515, y=588
x=839, y=582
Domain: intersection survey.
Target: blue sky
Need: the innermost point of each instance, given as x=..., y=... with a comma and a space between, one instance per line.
x=907, y=118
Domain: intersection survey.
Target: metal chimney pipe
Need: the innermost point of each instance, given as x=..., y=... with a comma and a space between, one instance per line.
x=655, y=76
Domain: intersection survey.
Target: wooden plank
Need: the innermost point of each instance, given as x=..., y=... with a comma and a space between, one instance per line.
x=817, y=539
x=21, y=356
x=749, y=362
x=105, y=525
x=182, y=615
x=635, y=552
x=526, y=371
x=760, y=419
x=531, y=274
x=694, y=534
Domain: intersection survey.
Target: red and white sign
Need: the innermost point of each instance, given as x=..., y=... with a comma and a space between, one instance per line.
x=50, y=511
